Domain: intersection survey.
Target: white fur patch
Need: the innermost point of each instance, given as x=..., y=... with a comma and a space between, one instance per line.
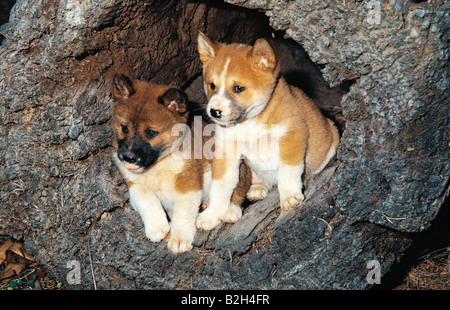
x=218, y=100
x=290, y=185
x=182, y=224
x=290, y=180
x=151, y=211
x=259, y=143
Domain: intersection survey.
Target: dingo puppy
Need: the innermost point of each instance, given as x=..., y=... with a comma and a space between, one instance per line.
x=143, y=116
x=245, y=90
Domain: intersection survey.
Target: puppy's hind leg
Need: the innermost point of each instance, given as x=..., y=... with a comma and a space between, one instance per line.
x=234, y=212
x=290, y=186
x=259, y=188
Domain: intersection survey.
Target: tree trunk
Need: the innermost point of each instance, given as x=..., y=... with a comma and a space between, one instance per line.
x=63, y=196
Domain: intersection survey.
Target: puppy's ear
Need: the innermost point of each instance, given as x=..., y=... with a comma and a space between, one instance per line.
x=122, y=86
x=206, y=47
x=263, y=56
x=175, y=100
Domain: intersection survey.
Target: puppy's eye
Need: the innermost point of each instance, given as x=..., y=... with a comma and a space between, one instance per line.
x=238, y=89
x=212, y=86
x=124, y=129
x=150, y=133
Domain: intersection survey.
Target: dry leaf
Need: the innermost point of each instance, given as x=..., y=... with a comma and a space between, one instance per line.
x=11, y=270
x=5, y=248
x=14, y=260
x=19, y=250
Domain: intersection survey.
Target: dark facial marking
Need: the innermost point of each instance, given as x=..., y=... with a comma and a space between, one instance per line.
x=141, y=153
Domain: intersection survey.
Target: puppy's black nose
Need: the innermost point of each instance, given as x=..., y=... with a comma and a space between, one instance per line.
x=215, y=113
x=128, y=157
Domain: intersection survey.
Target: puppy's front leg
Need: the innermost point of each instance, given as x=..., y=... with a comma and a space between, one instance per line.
x=151, y=211
x=185, y=211
x=225, y=177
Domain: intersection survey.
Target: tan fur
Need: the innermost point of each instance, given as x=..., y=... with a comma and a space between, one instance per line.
x=308, y=140
x=245, y=181
x=310, y=135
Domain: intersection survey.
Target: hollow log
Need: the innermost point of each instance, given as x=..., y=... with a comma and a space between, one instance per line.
x=385, y=82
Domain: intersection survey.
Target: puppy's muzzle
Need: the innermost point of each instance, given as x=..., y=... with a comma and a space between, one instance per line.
x=130, y=160
x=139, y=156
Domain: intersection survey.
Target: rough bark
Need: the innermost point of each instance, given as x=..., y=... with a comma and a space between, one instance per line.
x=62, y=195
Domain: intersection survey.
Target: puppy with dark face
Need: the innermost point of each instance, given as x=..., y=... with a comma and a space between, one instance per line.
x=142, y=125
x=143, y=118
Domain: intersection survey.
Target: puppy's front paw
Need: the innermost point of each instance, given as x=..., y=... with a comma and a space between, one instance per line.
x=180, y=245
x=207, y=220
x=257, y=192
x=291, y=202
x=157, y=232
x=232, y=214
x=181, y=237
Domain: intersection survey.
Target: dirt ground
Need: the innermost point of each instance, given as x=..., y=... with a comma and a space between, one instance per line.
x=432, y=273
x=19, y=271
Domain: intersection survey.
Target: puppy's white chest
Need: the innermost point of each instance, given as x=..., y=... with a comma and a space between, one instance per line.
x=259, y=143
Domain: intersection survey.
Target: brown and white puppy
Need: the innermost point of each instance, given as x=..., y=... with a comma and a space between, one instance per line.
x=161, y=178
x=251, y=104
